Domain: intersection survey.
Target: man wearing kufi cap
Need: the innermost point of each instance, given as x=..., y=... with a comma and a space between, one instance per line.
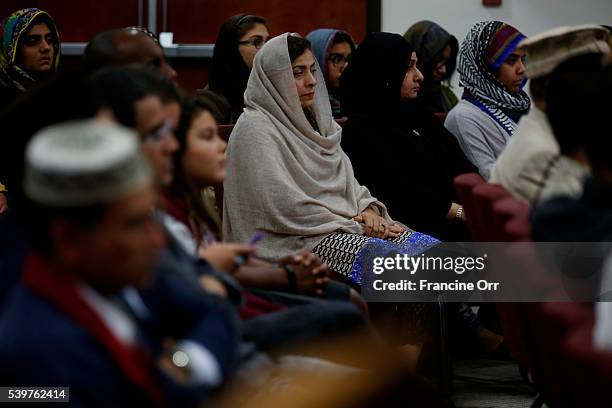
x=81, y=316
x=533, y=155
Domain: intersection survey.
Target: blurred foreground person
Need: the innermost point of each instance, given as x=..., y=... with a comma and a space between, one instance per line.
x=90, y=313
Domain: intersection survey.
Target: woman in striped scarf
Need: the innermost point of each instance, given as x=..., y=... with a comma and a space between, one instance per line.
x=492, y=73
x=29, y=51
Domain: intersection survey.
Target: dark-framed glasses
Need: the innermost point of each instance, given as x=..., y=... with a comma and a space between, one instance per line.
x=339, y=59
x=256, y=42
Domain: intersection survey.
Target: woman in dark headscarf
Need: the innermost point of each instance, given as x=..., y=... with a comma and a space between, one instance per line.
x=332, y=49
x=239, y=39
x=396, y=146
x=437, y=51
x=29, y=51
x=492, y=71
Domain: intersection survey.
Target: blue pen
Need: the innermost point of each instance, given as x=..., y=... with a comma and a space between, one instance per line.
x=258, y=236
x=241, y=259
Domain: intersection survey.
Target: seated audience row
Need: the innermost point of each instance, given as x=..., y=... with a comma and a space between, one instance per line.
x=538, y=163
x=121, y=266
x=492, y=72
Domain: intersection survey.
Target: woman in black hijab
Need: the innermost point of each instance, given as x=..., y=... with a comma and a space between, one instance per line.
x=437, y=51
x=239, y=39
x=397, y=147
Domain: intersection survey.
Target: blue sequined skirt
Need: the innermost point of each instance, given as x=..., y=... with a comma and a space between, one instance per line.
x=351, y=254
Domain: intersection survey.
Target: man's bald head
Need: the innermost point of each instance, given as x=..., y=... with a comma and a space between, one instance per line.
x=123, y=47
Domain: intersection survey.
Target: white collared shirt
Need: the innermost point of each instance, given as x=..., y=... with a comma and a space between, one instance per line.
x=203, y=365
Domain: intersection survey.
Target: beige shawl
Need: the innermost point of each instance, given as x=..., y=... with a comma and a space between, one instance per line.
x=294, y=184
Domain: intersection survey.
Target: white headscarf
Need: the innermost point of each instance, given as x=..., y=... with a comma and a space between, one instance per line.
x=283, y=177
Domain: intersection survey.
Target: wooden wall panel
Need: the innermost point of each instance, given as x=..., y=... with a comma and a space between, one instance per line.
x=79, y=20
x=195, y=21
x=198, y=21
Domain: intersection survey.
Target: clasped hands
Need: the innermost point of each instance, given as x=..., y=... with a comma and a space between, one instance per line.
x=311, y=273
x=376, y=226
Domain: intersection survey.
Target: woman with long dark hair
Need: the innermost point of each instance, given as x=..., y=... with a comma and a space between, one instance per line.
x=239, y=39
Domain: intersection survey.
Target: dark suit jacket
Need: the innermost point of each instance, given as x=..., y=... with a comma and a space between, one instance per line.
x=40, y=345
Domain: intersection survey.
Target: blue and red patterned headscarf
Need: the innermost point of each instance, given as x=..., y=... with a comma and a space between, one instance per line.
x=12, y=29
x=485, y=48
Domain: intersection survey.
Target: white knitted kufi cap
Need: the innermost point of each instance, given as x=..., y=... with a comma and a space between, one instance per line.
x=83, y=163
x=546, y=51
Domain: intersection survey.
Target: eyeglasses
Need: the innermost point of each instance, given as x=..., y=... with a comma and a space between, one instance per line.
x=339, y=59
x=159, y=133
x=256, y=42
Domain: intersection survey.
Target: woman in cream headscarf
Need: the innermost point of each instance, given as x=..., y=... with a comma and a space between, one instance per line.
x=288, y=176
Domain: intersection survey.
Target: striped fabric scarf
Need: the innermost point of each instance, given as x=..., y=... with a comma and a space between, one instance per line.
x=12, y=29
x=483, y=51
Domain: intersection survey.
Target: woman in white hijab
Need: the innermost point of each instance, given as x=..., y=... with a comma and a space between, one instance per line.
x=288, y=177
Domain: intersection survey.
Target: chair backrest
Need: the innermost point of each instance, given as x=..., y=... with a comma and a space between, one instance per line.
x=517, y=229
x=464, y=184
x=516, y=334
x=550, y=324
x=485, y=197
x=512, y=212
x=441, y=116
x=590, y=370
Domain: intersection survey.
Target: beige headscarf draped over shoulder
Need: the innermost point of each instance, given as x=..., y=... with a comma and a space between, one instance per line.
x=283, y=177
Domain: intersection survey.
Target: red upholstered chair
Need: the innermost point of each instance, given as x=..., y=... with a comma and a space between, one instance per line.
x=550, y=324
x=485, y=197
x=464, y=184
x=525, y=261
x=516, y=334
x=506, y=210
x=441, y=116
x=589, y=370
x=517, y=229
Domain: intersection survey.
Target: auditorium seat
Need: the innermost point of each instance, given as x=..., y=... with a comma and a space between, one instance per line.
x=484, y=197
x=517, y=229
x=590, y=370
x=511, y=220
x=515, y=333
x=441, y=116
x=551, y=324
